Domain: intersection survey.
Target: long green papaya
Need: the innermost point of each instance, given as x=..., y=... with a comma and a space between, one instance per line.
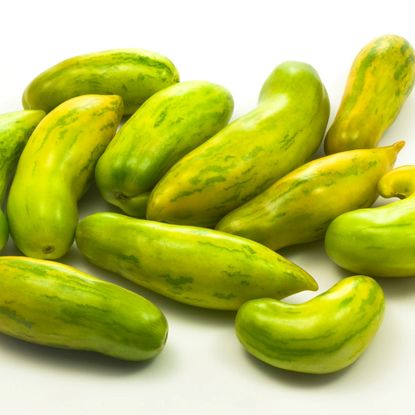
x=323, y=335
x=15, y=129
x=54, y=171
x=380, y=80
x=248, y=155
x=195, y=266
x=380, y=241
x=299, y=207
x=169, y=124
x=56, y=305
x=133, y=74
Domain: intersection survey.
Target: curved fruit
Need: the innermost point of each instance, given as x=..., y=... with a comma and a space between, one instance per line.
x=379, y=241
x=191, y=265
x=323, y=335
x=299, y=207
x=249, y=154
x=15, y=130
x=54, y=171
x=133, y=74
x=169, y=124
x=381, y=78
x=56, y=305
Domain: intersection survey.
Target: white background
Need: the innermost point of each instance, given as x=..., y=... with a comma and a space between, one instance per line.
x=203, y=369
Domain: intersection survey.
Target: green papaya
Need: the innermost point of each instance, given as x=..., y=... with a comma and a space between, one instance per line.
x=195, y=266
x=299, y=207
x=169, y=124
x=381, y=78
x=52, y=304
x=55, y=170
x=133, y=74
x=248, y=155
x=15, y=129
x=379, y=241
x=323, y=335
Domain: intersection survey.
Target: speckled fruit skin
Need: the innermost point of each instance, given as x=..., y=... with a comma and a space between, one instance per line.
x=170, y=124
x=249, y=154
x=133, y=74
x=299, y=207
x=380, y=80
x=323, y=335
x=15, y=130
x=56, y=305
x=195, y=266
x=55, y=170
x=380, y=241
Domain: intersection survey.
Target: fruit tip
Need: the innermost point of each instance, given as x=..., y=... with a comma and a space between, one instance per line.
x=399, y=145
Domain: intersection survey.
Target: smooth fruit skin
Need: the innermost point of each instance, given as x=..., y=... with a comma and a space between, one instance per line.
x=170, y=124
x=299, y=207
x=133, y=74
x=54, y=171
x=323, y=335
x=56, y=305
x=249, y=154
x=195, y=266
x=15, y=129
x=136, y=206
x=380, y=80
x=379, y=241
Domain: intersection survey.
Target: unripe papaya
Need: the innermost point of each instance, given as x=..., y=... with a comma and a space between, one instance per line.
x=249, y=154
x=170, y=124
x=15, y=129
x=380, y=80
x=55, y=170
x=195, y=266
x=133, y=74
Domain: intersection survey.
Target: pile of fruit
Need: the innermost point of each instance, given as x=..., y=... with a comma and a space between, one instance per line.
x=206, y=204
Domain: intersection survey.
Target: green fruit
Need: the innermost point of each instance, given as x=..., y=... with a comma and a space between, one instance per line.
x=323, y=335
x=133, y=74
x=54, y=171
x=191, y=265
x=380, y=241
x=380, y=80
x=299, y=207
x=248, y=155
x=170, y=124
x=15, y=130
x=56, y=305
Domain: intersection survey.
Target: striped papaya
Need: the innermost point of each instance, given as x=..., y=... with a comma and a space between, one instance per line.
x=380, y=80
x=299, y=207
x=55, y=170
x=323, y=335
x=248, y=155
x=195, y=266
x=169, y=124
x=15, y=129
x=133, y=74
x=56, y=305
x=380, y=241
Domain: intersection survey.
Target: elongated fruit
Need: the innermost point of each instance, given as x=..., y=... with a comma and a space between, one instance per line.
x=133, y=74
x=170, y=124
x=323, y=335
x=54, y=171
x=299, y=207
x=379, y=241
x=191, y=265
x=380, y=80
x=56, y=305
x=15, y=130
x=249, y=154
